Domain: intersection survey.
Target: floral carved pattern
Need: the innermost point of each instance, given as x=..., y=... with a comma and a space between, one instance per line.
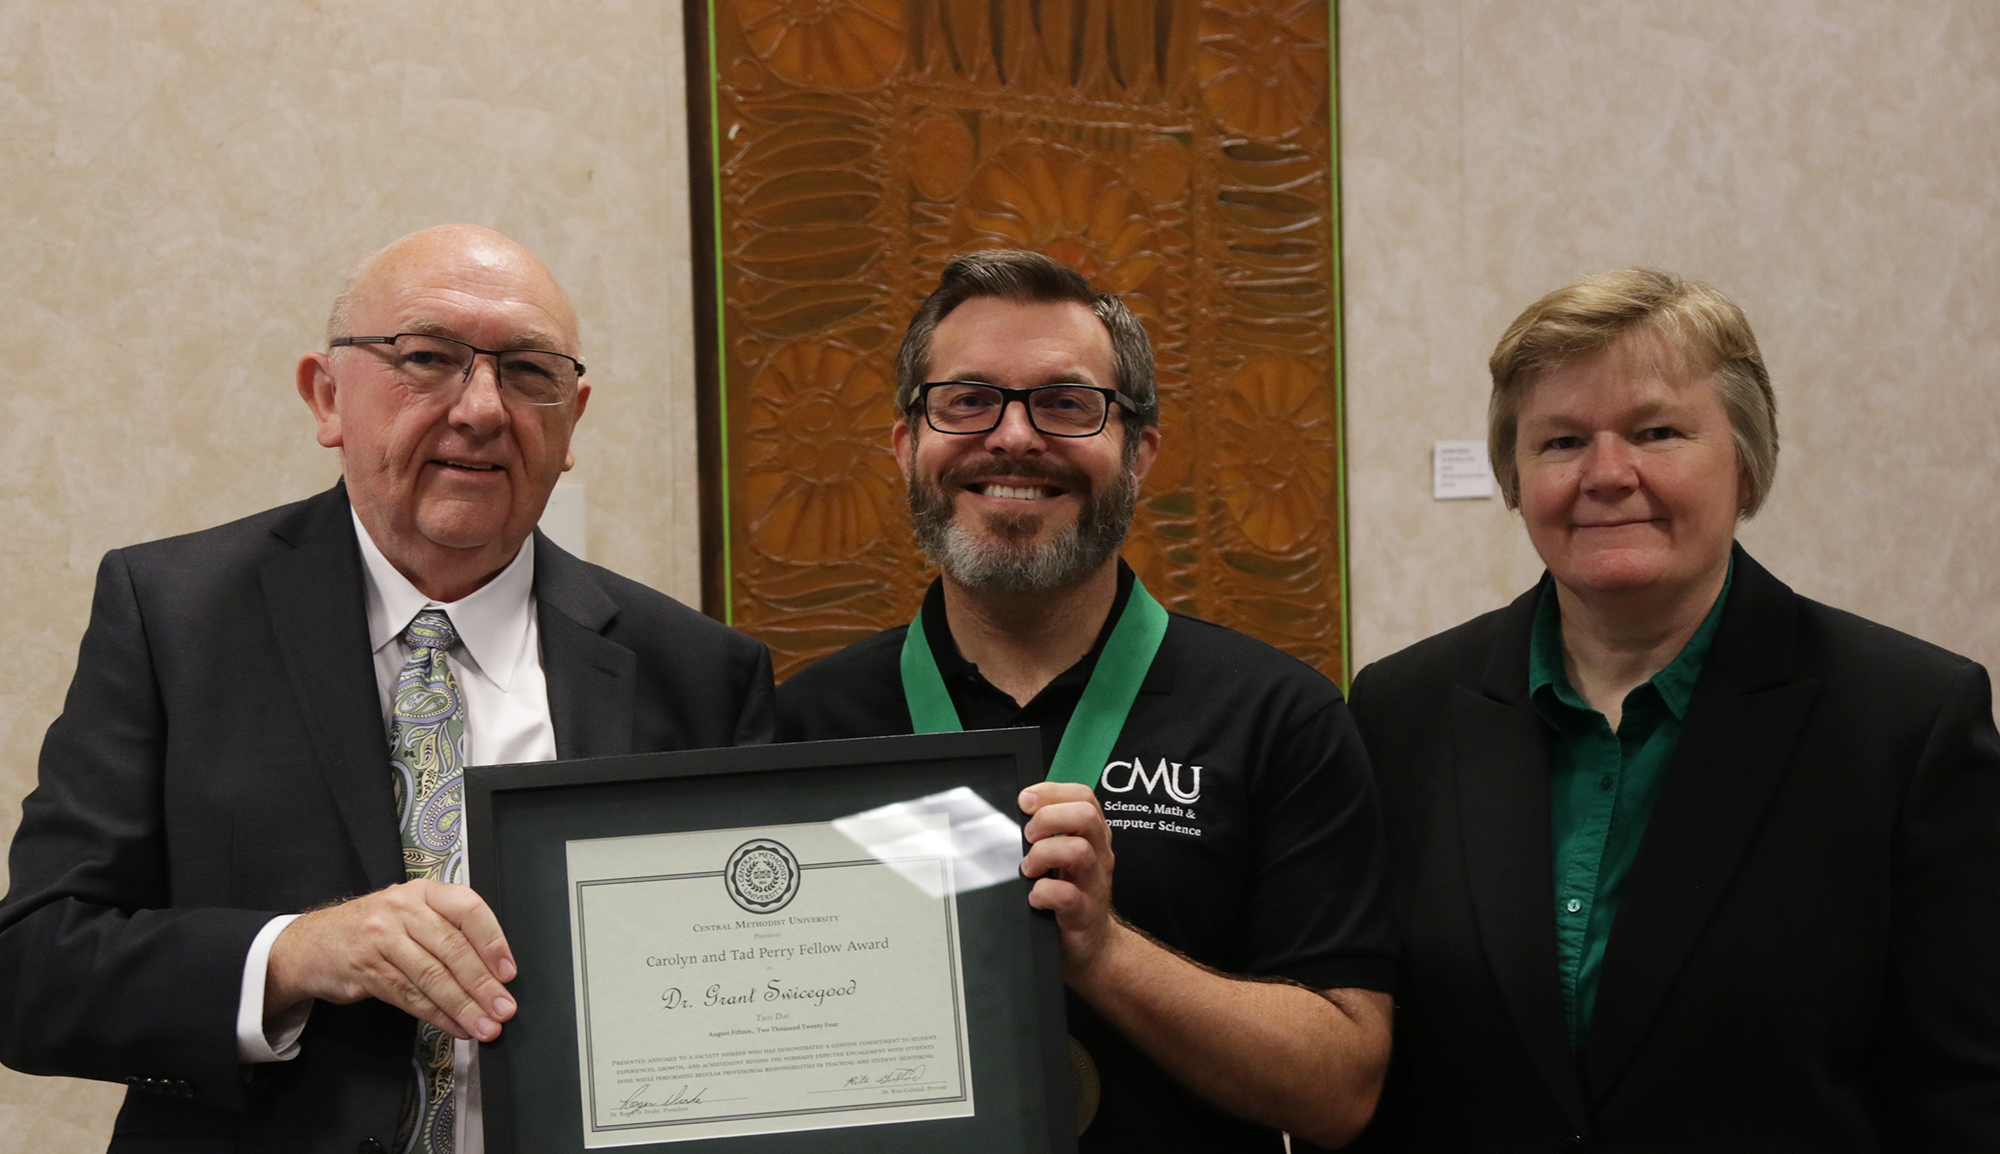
x=1263, y=66
x=1178, y=154
x=1273, y=414
x=819, y=472
x=1076, y=208
x=843, y=45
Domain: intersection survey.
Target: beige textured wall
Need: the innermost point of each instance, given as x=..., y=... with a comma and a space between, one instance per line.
x=1833, y=164
x=187, y=181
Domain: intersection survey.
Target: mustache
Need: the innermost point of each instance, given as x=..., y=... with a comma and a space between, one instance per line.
x=1026, y=468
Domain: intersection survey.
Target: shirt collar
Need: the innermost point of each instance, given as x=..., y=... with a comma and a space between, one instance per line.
x=1549, y=682
x=951, y=663
x=1676, y=681
x=491, y=621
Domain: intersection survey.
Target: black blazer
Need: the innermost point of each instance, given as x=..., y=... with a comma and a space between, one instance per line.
x=1807, y=953
x=220, y=760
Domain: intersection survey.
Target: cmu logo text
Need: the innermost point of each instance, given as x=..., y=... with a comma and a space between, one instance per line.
x=1121, y=776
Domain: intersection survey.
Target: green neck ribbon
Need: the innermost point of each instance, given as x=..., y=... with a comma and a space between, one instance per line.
x=1100, y=714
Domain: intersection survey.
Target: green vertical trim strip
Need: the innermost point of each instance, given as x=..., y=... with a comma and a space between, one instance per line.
x=721, y=322
x=1339, y=344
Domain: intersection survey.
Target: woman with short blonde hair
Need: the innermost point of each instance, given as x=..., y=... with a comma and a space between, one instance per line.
x=1684, y=860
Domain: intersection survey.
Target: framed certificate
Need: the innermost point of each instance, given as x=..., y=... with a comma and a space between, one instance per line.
x=821, y=946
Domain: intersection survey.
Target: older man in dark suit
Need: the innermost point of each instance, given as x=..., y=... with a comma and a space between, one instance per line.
x=274, y=716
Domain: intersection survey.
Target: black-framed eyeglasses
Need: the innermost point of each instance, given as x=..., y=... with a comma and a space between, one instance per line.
x=968, y=407
x=434, y=363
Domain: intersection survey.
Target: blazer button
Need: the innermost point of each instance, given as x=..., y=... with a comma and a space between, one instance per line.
x=371, y=1146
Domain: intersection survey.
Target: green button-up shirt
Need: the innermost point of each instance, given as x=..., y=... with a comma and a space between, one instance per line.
x=1601, y=790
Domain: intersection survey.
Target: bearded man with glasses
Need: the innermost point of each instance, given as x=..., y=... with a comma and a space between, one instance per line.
x=274, y=716
x=1230, y=982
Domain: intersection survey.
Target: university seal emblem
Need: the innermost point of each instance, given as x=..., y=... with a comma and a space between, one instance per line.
x=762, y=876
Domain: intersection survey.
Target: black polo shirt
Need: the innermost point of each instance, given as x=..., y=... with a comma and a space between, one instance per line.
x=1244, y=822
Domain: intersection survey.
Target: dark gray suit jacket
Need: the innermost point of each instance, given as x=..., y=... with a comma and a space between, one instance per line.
x=220, y=760
x=1807, y=953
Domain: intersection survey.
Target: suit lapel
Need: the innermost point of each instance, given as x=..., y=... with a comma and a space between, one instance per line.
x=314, y=597
x=1501, y=749
x=1742, y=725
x=590, y=677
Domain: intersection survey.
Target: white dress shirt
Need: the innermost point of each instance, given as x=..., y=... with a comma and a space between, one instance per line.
x=497, y=662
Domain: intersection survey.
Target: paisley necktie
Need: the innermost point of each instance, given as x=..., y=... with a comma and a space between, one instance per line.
x=427, y=756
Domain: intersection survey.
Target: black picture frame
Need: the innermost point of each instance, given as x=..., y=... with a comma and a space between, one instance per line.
x=520, y=818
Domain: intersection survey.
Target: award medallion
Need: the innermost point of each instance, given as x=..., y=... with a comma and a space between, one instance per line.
x=1085, y=1088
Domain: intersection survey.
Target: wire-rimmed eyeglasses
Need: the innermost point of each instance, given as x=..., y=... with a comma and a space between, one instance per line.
x=434, y=363
x=970, y=407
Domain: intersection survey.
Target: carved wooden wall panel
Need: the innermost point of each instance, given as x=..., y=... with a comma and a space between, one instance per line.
x=1180, y=154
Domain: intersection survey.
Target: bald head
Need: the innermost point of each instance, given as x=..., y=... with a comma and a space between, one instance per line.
x=448, y=251
x=448, y=477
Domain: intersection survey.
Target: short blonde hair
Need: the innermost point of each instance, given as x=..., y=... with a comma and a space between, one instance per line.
x=1690, y=318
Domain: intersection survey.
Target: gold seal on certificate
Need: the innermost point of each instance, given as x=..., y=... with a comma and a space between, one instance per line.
x=766, y=980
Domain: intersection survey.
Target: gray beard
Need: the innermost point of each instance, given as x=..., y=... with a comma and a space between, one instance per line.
x=1007, y=560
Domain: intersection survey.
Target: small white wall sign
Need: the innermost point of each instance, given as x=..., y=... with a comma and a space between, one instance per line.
x=1459, y=470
